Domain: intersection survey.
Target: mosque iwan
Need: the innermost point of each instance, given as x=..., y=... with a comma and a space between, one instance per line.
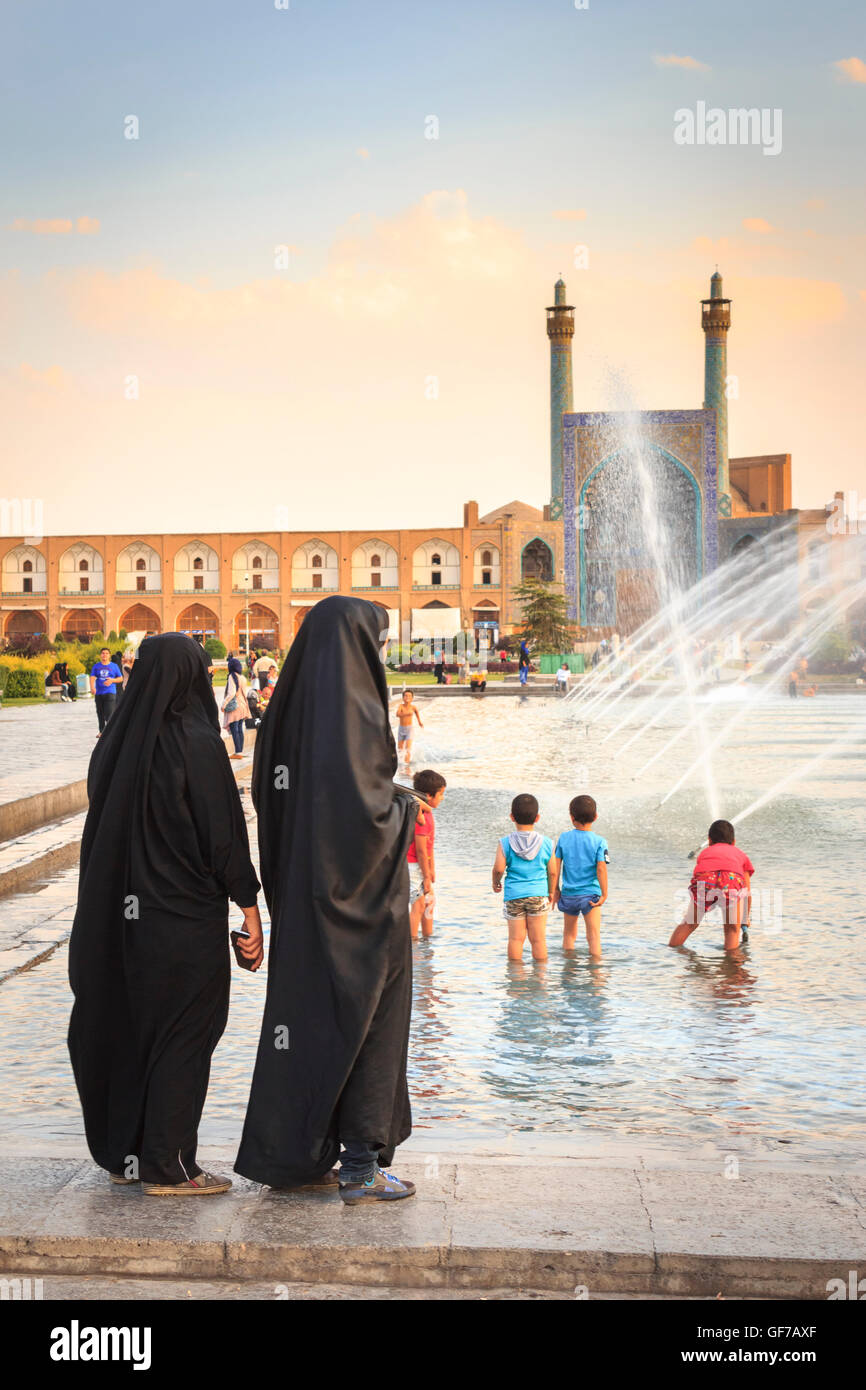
x=625, y=490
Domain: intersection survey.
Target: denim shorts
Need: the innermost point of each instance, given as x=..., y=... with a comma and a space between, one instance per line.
x=580, y=905
x=404, y=732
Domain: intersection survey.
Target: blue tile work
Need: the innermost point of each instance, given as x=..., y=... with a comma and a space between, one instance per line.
x=569, y=516
x=561, y=400
x=687, y=437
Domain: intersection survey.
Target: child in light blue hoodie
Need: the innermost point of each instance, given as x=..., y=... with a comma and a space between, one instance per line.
x=524, y=859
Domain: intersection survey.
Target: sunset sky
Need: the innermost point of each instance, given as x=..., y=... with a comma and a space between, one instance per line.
x=399, y=365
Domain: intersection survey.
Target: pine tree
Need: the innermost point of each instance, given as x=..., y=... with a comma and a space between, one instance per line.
x=544, y=615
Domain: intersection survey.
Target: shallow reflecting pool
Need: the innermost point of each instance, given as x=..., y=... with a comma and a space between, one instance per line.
x=764, y=1048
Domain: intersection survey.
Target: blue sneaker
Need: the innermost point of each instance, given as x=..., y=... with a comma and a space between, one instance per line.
x=382, y=1187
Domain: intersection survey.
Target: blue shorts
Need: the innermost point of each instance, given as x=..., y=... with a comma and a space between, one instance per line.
x=580, y=905
x=404, y=732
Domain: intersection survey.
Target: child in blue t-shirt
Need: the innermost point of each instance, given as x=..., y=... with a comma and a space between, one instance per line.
x=580, y=886
x=524, y=859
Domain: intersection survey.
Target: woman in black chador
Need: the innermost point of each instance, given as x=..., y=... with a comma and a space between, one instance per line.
x=164, y=848
x=333, y=835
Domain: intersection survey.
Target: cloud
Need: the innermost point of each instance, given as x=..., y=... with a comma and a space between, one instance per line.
x=757, y=224
x=851, y=69
x=570, y=214
x=56, y=226
x=815, y=204
x=50, y=378
x=674, y=60
x=325, y=377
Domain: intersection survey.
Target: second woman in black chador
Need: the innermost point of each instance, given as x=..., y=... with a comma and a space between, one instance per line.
x=333, y=834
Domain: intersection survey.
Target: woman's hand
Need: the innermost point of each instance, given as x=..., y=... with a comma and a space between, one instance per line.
x=253, y=948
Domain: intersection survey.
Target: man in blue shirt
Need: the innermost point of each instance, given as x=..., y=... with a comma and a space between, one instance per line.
x=582, y=858
x=105, y=675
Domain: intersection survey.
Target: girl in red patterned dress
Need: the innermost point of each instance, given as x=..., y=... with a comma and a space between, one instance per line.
x=722, y=878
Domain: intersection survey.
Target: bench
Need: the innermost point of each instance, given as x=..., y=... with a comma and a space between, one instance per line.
x=53, y=692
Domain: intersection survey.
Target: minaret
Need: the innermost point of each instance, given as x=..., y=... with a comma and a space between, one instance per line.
x=560, y=331
x=715, y=321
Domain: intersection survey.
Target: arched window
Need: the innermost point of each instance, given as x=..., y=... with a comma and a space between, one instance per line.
x=486, y=559
x=537, y=561
x=257, y=562
x=316, y=562
x=376, y=562
x=436, y=559
x=198, y=563
x=141, y=564
x=83, y=566
x=27, y=566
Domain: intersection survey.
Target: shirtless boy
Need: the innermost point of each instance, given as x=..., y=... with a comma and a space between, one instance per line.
x=406, y=711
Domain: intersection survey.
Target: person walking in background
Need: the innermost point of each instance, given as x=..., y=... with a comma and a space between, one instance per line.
x=117, y=658
x=406, y=712
x=164, y=849
x=235, y=709
x=333, y=829
x=105, y=677
x=261, y=669
x=562, y=679
x=523, y=661
x=127, y=661
x=439, y=668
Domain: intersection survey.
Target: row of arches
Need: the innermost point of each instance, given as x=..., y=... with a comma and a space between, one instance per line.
x=255, y=566
x=197, y=621
x=256, y=625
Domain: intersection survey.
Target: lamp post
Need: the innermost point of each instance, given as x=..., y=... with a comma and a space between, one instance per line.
x=247, y=612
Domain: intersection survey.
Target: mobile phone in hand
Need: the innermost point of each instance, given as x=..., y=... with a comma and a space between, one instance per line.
x=243, y=961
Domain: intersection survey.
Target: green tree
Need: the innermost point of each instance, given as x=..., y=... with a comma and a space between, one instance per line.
x=544, y=617
x=215, y=648
x=834, y=646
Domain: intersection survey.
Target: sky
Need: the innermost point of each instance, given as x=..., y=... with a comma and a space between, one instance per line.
x=310, y=293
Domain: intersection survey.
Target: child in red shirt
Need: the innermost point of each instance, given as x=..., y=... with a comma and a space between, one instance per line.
x=722, y=877
x=430, y=786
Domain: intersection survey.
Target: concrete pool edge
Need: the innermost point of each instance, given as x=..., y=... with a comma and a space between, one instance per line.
x=478, y=1222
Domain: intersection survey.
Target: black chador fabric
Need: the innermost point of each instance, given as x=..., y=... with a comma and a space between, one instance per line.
x=333, y=836
x=165, y=846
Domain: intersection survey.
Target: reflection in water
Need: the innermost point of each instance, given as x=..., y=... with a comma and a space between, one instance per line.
x=430, y=1034
x=654, y=1042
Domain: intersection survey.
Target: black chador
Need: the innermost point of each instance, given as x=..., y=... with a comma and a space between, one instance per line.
x=164, y=848
x=333, y=835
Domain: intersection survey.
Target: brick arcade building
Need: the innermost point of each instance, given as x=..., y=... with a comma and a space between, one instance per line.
x=434, y=583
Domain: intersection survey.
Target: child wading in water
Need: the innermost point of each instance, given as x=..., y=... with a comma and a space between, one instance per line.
x=422, y=862
x=525, y=860
x=722, y=878
x=582, y=858
x=407, y=710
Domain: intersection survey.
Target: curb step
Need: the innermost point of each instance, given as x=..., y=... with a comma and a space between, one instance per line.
x=573, y=1273
x=39, y=854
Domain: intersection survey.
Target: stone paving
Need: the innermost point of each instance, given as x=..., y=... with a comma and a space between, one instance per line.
x=34, y=923
x=557, y=1225
x=44, y=746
